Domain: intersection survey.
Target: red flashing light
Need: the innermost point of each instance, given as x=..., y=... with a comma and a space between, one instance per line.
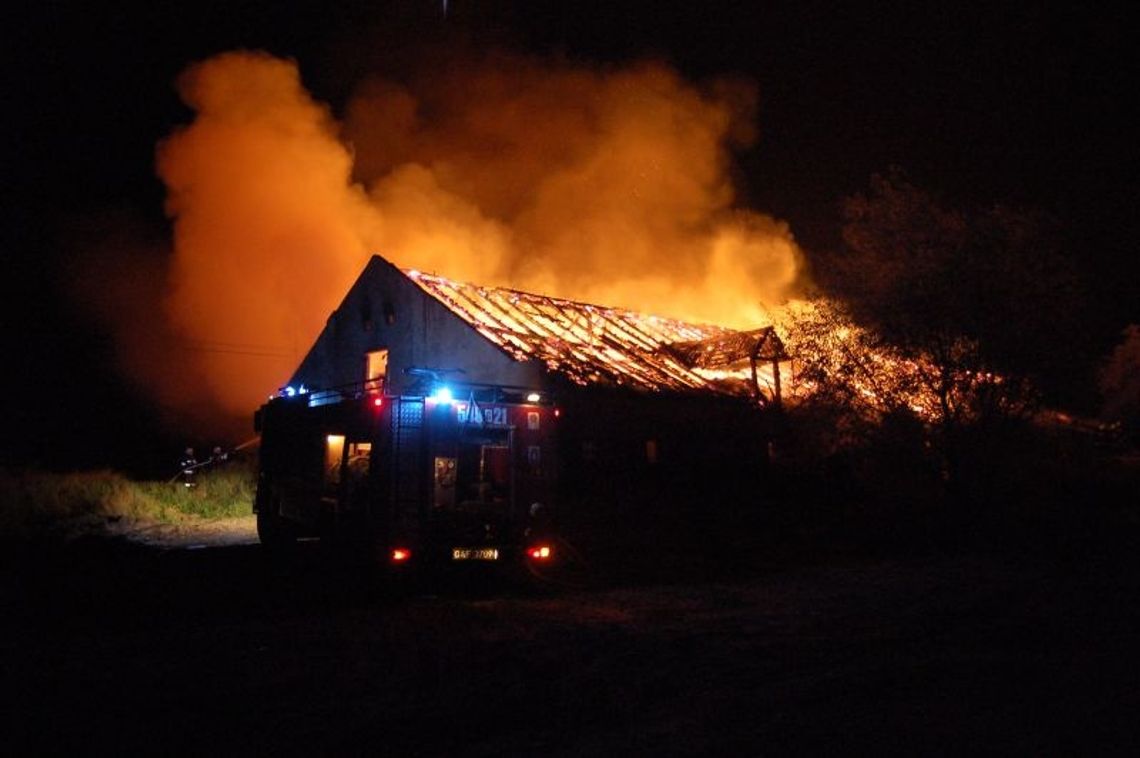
x=540, y=552
x=557, y=412
x=400, y=555
x=377, y=401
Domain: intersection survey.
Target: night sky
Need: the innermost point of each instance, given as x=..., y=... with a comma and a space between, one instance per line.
x=1024, y=104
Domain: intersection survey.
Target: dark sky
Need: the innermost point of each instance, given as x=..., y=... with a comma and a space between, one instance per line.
x=1023, y=103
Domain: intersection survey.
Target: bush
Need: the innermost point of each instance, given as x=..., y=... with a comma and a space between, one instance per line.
x=220, y=492
x=37, y=504
x=1015, y=485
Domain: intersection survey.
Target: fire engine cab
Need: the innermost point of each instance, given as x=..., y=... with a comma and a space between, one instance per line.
x=446, y=473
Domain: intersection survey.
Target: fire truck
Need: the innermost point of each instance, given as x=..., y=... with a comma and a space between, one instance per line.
x=444, y=474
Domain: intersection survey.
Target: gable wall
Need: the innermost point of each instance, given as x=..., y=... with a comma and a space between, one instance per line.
x=422, y=333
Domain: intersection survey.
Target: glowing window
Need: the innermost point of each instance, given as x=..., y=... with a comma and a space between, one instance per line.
x=375, y=368
x=334, y=449
x=359, y=459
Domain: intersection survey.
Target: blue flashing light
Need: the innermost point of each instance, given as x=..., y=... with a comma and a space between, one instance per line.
x=441, y=395
x=290, y=392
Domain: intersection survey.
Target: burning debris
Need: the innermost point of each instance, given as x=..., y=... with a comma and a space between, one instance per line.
x=597, y=344
x=841, y=363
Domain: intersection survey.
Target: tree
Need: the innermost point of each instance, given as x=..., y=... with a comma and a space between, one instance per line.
x=850, y=369
x=987, y=301
x=982, y=304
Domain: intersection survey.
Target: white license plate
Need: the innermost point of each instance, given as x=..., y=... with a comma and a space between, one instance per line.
x=474, y=554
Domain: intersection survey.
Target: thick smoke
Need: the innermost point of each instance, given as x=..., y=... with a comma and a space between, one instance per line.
x=267, y=227
x=611, y=186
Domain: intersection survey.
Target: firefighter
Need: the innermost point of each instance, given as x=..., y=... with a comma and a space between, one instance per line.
x=218, y=456
x=188, y=464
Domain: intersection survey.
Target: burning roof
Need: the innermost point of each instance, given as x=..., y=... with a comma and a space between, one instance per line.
x=593, y=344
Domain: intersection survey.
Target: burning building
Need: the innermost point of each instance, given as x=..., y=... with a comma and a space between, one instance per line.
x=634, y=391
x=393, y=324
x=457, y=401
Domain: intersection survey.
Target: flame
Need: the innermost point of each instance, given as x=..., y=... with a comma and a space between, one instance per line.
x=590, y=344
x=835, y=356
x=600, y=185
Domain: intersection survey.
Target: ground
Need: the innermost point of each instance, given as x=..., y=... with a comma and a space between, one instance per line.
x=193, y=642
x=189, y=533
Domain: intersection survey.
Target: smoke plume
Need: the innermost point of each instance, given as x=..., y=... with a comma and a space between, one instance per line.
x=606, y=185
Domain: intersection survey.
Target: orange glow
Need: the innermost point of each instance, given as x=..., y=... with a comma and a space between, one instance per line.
x=878, y=377
x=400, y=555
x=591, y=344
x=598, y=185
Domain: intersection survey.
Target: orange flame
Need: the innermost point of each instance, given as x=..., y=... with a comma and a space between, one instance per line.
x=604, y=186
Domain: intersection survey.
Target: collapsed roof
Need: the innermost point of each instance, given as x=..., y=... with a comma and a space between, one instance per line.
x=593, y=344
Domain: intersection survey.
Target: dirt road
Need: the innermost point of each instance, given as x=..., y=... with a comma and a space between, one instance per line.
x=132, y=648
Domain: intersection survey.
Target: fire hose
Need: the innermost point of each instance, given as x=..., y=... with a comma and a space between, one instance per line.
x=211, y=461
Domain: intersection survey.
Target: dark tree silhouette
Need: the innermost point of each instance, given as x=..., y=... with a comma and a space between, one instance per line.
x=983, y=304
x=989, y=298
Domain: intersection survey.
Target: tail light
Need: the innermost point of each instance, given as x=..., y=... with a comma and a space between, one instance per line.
x=540, y=552
x=400, y=555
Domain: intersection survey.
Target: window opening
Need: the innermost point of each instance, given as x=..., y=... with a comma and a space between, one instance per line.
x=478, y=478
x=334, y=451
x=375, y=368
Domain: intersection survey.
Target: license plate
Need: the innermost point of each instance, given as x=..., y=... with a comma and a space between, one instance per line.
x=474, y=554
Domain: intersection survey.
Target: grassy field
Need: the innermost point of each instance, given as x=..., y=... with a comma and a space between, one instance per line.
x=40, y=504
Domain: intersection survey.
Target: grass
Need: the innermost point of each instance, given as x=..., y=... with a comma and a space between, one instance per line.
x=41, y=504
